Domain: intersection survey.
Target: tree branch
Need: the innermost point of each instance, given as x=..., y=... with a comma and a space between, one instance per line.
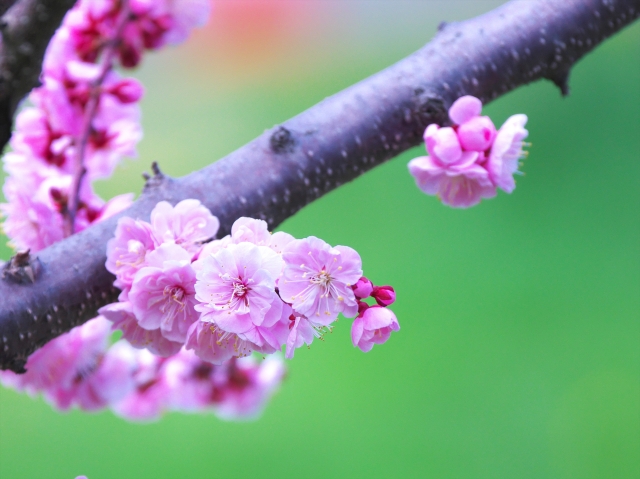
x=318, y=150
x=26, y=30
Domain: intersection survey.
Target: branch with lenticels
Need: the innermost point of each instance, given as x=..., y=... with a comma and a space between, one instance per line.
x=331, y=143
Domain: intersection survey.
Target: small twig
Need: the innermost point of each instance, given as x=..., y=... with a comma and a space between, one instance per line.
x=91, y=108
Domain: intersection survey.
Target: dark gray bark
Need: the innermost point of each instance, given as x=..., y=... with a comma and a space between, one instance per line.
x=5, y=5
x=26, y=27
x=331, y=143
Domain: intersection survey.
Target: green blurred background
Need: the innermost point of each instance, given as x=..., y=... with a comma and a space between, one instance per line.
x=519, y=354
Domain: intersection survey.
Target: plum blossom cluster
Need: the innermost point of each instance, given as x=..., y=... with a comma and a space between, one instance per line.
x=193, y=308
x=80, y=369
x=251, y=291
x=83, y=120
x=85, y=117
x=471, y=159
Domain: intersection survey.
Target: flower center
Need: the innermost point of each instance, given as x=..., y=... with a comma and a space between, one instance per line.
x=323, y=278
x=239, y=290
x=174, y=293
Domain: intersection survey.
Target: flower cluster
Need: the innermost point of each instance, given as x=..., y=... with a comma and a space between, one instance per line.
x=80, y=369
x=85, y=117
x=470, y=160
x=249, y=291
x=192, y=308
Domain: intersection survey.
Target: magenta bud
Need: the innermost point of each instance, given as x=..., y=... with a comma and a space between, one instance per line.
x=363, y=288
x=384, y=295
x=128, y=90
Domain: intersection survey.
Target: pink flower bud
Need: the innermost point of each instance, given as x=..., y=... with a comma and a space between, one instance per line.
x=443, y=144
x=464, y=109
x=384, y=295
x=363, y=288
x=127, y=90
x=477, y=134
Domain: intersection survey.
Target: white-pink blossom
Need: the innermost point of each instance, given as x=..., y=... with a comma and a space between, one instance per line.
x=317, y=279
x=187, y=224
x=236, y=287
x=507, y=152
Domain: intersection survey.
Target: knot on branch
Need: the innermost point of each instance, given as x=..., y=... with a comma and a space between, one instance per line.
x=429, y=108
x=282, y=141
x=23, y=268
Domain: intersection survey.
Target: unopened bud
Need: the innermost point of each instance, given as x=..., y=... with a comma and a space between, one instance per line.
x=128, y=90
x=363, y=288
x=384, y=295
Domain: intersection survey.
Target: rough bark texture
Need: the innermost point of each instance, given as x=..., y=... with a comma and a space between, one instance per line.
x=331, y=143
x=26, y=27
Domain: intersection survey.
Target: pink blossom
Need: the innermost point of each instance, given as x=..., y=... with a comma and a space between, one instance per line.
x=317, y=279
x=237, y=389
x=150, y=395
x=186, y=15
x=215, y=346
x=242, y=389
x=461, y=184
x=454, y=175
x=127, y=250
x=115, y=205
x=302, y=330
x=250, y=230
x=279, y=241
x=507, y=151
x=32, y=133
x=61, y=361
x=272, y=334
x=122, y=317
x=94, y=389
x=107, y=146
x=469, y=161
x=188, y=224
x=236, y=287
x=189, y=382
x=373, y=326
x=162, y=294
x=31, y=221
